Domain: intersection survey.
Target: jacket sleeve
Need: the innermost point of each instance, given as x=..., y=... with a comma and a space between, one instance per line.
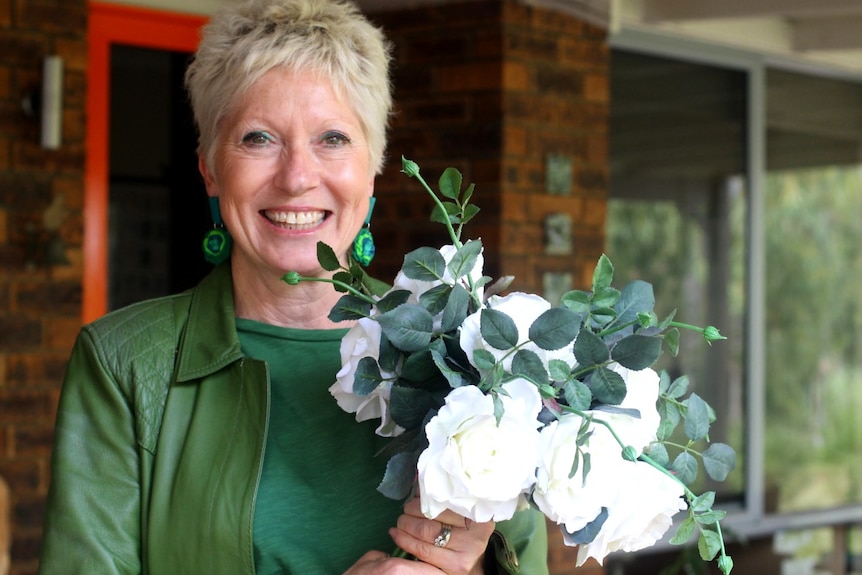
x=519, y=546
x=92, y=523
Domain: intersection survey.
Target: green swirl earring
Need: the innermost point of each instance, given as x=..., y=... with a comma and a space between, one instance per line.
x=363, y=245
x=217, y=242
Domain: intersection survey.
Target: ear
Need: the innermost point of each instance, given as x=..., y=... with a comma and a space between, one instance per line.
x=209, y=178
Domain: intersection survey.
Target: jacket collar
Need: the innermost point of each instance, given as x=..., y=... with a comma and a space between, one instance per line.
x=210, y=341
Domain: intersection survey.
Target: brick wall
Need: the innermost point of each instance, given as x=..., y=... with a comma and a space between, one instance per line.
x=39, y=302
x=493, y=88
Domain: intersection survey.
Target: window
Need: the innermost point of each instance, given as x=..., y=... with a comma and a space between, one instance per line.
x=677, y=213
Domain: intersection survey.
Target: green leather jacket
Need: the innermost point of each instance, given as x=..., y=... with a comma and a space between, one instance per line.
x=155, y=473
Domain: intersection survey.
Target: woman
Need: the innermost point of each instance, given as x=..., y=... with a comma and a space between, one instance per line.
x=196, y=433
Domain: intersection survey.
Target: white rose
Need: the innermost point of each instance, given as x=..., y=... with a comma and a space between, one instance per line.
x=363, y=340
x=474, y=466
x=569, y=501
x=643, y=512
x=642, y=389
x=523, y=308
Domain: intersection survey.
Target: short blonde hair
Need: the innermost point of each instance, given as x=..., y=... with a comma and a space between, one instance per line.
x=247, y=39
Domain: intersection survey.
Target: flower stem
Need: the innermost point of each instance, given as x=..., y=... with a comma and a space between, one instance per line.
x=412, y=169
x=294, y=278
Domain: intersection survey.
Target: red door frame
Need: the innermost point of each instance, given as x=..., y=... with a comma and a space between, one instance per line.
x=132, y=26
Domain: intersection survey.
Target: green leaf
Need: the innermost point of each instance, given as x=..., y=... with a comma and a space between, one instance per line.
x=453, y=376
x=636, y=297
x=450, y=212
x=344, y=277
x=711, y=517
x=408, y=327
x=703, y=502
x=409, y=405
x=419, y=367
x=389, y=355
x=367, y=376
x=607, y=386
x=436, y=298
x=400, y=475
x=637, y=352
x=559, y=370
x=556, y=328
x=457, y=307
x=529, y=366
x=372, y=285
x=468, y=193
x=498, y=329
x=588, y=533
x=667, y=425
x=349, y=308
x=671, y=338
x=499, y=410
x=658, y=453
x=719, y=460
x=577, y=395
x=326, y=258
x=590, y=349
x=424, y=264
x=605, y=298
x=450, y=183
x=577, y=301
x=696, y=418
x=679, y=387
x=685, y=467
x=484, y=359
x=603, y=275
x=708, y=544
x=684, y=532
x=469, y=213
x=392, y=300
x=464, y=259
x=602, y=316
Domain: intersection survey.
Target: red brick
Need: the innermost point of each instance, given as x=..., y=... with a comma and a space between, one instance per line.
x=61, y=332
x=5, y=153
x=32, y=440
x=18, y=406
x=52, y=15
x=5, y=12
x=36, y=369
x=19, y=332
x=24, y=475
x=74, y=53
x=63, y=298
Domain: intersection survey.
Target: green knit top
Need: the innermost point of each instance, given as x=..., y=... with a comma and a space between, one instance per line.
x=317, y=509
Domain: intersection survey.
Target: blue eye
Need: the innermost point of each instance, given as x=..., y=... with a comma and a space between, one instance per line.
x=257, y=138
x=335, y=139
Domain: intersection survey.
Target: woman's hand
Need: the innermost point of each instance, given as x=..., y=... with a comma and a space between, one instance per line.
x=458, y=552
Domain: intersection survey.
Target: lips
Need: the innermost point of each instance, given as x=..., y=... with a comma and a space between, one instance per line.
x=295, y=220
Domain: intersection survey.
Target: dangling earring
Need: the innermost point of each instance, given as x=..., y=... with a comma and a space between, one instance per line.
x=217, y=241
x=363, y=245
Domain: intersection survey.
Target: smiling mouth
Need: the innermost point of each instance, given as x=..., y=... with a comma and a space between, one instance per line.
x=294, y=220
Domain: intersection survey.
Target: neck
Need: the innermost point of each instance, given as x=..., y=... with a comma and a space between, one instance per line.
x=268, y=299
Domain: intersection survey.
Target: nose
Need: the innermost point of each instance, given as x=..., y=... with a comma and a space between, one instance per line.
x=298, y=169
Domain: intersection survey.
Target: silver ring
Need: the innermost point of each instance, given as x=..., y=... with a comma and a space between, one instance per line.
x=443, y=538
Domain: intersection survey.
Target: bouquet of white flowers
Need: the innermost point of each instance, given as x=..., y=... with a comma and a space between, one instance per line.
x=500, y=402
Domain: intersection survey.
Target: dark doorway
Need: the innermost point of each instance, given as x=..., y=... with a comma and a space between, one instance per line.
x=158, y=209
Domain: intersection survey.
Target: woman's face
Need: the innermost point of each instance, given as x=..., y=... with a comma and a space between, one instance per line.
x=291, y=168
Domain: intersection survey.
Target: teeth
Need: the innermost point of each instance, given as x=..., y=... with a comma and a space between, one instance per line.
x=295, y=218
